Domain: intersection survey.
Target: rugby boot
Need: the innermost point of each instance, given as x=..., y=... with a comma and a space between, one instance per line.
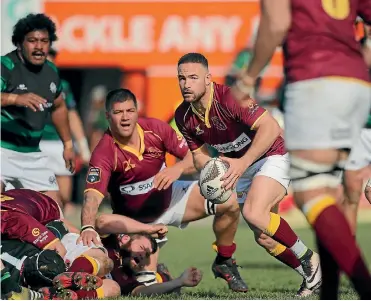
x=23, y=294
x=77, y=280
x=51, y=293
x=313, y=274
x=305, y=292
x=228, y=270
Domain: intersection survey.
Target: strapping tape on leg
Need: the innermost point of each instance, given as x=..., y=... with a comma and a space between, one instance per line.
x=308, y=175
x=146, y=277
x=210, y=208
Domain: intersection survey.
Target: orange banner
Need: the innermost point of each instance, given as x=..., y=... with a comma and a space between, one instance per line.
x=138, y=34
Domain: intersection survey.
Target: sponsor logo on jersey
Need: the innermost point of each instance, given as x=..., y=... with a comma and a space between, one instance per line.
x=154, y=152
x=128, y=165
x=94, y=175
x=35, y=231
x=198, y=129
x=219, y=125
x=53, y=87
x=241, y=142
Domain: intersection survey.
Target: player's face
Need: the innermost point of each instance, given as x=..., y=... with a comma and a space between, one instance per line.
x=122, y=118
x=193, y=79
x=140, y=249
x=35, y=47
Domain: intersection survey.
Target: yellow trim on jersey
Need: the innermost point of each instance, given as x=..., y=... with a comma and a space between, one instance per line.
x=95, y=190
x=154, y=134
x=207, y=112
x=198, y=149
x=256, y=121
x=350, y=79
x=139, y=154
x=53, y=241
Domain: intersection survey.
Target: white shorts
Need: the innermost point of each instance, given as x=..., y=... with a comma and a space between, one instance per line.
x=179, y=199
x=26, y=170
x=360, y=155
x=325, y=113
x=75, y=250
x=275, y=167
x=54, y=150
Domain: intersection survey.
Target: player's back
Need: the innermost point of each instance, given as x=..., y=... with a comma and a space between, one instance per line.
x=321, y=41
x=36, y=204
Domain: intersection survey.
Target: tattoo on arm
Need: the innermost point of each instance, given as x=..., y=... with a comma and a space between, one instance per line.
x=90, y=208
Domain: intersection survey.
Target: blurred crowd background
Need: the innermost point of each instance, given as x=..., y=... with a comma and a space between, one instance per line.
x=136, y=44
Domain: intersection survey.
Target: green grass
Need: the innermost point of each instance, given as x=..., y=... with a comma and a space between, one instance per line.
x=266, y=277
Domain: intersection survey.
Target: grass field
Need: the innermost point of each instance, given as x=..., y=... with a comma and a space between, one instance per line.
x=266, y=277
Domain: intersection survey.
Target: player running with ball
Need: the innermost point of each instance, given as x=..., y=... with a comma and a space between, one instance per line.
x=250, y=142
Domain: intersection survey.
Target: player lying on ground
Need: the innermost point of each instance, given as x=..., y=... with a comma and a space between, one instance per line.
x=129, y=163
x=249, y=141
x=327, y=100
x=31, y=90
x=130, y=254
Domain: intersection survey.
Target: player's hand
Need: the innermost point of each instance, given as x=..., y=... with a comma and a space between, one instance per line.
x=58, y=247
x=166, y=177
x=236, y=168
x=89, y=236
x=159, y=230
x=191, y=277
x=69, y=158
x=243, y=89
x=30, y=100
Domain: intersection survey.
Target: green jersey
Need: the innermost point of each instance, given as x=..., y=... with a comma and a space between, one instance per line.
x=21, y=127
x=50, y=132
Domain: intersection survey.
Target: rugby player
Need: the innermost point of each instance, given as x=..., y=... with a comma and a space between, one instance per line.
x=129, y=163
x=249, y=141
x=31, y=89
x=125, y=251
x=327, y=101
x=51, y=144
x=358, y=165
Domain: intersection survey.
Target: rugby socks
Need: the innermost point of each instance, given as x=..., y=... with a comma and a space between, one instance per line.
x=335, y=236
x=281, y=231
x=225, y=252
x=286, y=256
x=7, y=284
x=93, y=294
x=85, y=264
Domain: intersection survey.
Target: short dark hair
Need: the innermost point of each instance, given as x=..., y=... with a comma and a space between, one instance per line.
x=194, y=57
x=119, y=95
x=53, y=53
x=153, y=241
x=31, y=23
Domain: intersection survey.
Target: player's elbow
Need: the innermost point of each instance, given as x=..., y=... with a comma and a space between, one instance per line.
x=101, y=224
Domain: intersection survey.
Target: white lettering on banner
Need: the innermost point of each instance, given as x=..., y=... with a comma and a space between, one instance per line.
x=114, y=33
x=241, y=142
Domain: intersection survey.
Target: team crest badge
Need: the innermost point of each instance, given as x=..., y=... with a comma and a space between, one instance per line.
x=53, y=87
x=218, y=123
x=154, y=152
x=94, y=175
x=199, y=131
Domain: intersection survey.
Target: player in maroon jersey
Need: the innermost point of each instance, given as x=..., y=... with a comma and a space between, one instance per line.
x=326, y=104
x=249, y=140
x=24, y=214
x=123, y=250
x=129, y=164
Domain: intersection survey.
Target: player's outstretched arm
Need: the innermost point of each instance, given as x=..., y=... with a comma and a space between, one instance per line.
x=191, y=277
x=92, y=201
x=78, y=133
x=200, y=157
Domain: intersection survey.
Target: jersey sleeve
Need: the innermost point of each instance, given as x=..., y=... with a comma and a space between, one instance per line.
x=174, y=144
x=21, y=226
x=100, y=169
x=249, y=116
x=364, y=11
x=193, y=143
x=7, y=66
x=68, y=95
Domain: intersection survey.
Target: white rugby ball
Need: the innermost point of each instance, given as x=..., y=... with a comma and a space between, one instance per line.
x=210, y=183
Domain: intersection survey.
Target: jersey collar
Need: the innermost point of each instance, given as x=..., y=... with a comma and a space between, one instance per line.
x=207, y=112
x=139, y=154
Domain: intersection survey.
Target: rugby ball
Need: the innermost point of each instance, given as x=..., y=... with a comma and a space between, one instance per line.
x=210, y=181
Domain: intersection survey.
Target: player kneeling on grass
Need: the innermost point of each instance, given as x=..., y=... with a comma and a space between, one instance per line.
x=130, y=253
x=129, y=164
x=250, y=142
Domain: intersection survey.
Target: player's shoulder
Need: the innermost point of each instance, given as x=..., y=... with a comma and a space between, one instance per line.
x=183, y=112
x=52, y=67
x=221, y=93
x=105, y=145
x=149, y=123
x=8, y=61
x=65, y=85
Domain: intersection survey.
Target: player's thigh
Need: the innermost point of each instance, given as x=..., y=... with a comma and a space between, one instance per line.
x=360, y=155
x=324, y=113
x=53, y=149
x=65, y=187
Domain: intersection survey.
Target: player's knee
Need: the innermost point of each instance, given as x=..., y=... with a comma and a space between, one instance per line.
x=252, y=213
x=110, y=289
x=352, y=187
x=105, y=265
x=230, y=207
